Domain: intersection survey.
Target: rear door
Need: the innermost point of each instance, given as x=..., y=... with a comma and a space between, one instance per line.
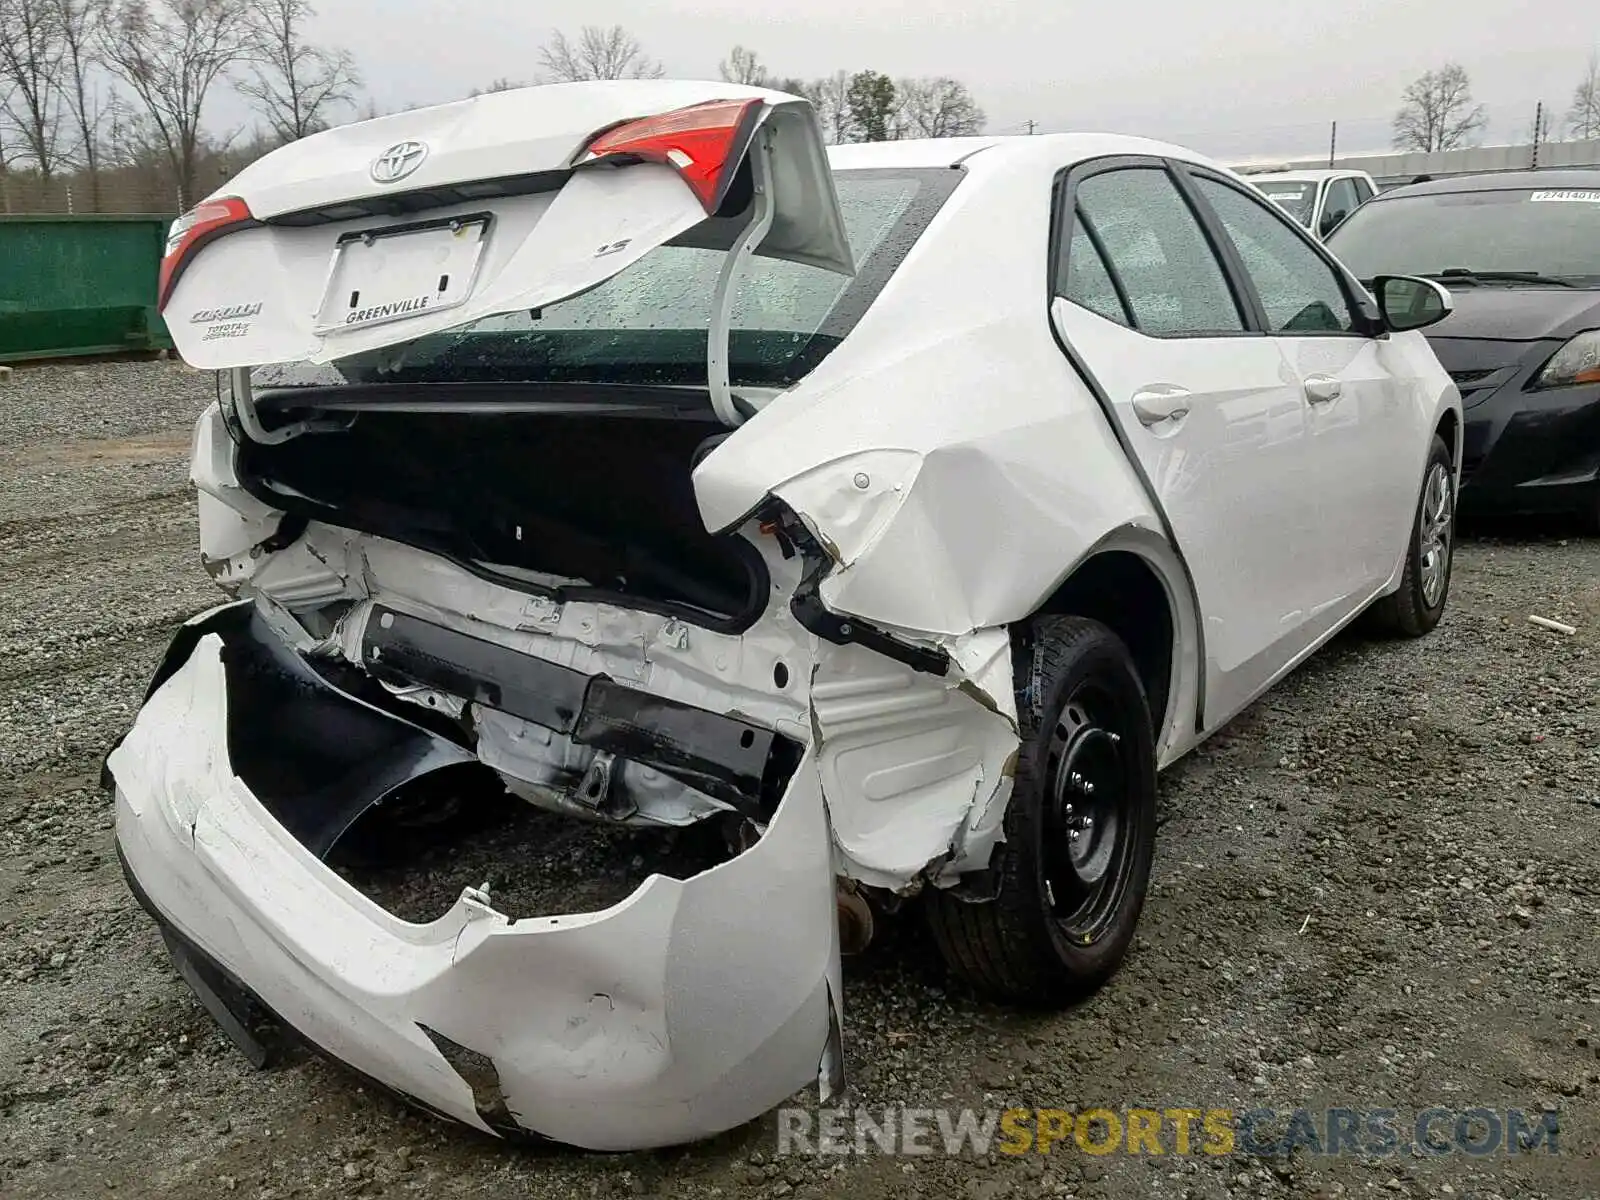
x=1358, y=402
x=374, y=234
x=1203, y=402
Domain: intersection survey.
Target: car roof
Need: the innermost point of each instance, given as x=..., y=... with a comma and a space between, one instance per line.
x=1061, y=149
x=1310, y=175
x=1500, y=181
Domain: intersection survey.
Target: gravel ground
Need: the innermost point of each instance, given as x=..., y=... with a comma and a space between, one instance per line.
x=1379, y=888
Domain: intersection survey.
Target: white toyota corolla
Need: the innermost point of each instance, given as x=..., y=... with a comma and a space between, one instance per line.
x=899, y=509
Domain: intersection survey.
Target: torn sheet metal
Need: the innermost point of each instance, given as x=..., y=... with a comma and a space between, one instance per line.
x=670, y=1016
x=915, y=767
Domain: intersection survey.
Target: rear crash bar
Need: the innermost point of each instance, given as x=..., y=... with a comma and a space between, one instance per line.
x=722, y=756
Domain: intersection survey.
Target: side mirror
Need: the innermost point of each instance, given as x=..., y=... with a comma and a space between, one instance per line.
x=1331, y=220
x=1408, y=302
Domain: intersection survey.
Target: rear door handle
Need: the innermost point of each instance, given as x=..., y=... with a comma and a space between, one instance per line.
x=1160, y=402
x=1323, y=389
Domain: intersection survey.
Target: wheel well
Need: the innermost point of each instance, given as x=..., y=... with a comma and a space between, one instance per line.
x=1449, y=425
x=1121, y=591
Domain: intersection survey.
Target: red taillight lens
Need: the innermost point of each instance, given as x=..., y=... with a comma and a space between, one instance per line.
x=191, y=231
x=704, y=143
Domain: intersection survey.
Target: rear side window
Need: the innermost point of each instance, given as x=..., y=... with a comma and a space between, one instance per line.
x=1156, y=249
x=1088, y=282
x=1299, y=290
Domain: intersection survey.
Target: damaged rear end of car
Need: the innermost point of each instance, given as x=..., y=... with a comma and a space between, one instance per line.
x=482, y=371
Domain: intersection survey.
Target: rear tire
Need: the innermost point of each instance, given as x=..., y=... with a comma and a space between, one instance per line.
x=1070, y=879
x=1415, y=608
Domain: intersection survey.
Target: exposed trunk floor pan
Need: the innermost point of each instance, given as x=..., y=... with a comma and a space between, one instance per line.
x=536, y=863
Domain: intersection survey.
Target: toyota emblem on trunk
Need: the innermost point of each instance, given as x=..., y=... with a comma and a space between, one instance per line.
x=398, y=161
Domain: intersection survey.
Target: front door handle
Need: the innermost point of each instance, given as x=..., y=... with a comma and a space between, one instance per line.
x=1160, y=402
x=1323, y=389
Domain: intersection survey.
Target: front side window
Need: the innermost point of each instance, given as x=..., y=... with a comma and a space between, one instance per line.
x=1299, y=290
x=1156, y=249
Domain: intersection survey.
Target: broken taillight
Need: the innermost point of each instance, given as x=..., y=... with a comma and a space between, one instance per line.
x=704, y=143
x=195, y=228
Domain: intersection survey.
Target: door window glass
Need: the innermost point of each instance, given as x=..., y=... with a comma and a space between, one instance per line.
x=1157, y=250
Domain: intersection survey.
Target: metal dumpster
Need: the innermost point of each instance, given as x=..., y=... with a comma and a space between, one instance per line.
x=80, y=285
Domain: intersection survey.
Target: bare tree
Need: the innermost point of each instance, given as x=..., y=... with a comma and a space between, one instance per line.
x=499, y=85
x=598, y=53
x=171, y=53
x=830, y=97
x=30, y=67
x=936, y=108
x=298, y=86
x=742, y=66
x=1437, y=112
x=1583, y=118
x=81, y=24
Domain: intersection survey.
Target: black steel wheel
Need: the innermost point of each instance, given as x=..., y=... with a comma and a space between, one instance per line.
x=1065, y=889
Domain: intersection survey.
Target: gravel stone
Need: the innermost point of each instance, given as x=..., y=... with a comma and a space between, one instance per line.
x=1377, y=888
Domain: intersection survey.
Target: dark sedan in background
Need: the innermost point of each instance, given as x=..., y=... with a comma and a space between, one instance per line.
x=1520, y=252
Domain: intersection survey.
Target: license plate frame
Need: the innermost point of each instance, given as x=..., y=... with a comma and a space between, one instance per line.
x=353, y=270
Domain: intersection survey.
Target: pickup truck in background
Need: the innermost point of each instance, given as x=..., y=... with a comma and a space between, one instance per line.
x=1319, y=200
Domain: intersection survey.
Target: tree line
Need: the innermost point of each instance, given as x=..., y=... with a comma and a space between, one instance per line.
x=96, y=87
x=96, y=93
x=1437, y=112
x=100, y=97
x=864, y=106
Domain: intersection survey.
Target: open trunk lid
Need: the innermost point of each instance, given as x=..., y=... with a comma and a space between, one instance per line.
x=374, y=234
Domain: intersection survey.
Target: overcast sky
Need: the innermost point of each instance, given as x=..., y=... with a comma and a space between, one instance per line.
x=1234, y=78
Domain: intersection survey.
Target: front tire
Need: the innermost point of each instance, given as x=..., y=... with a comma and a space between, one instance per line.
x=1416, y=607
x=1070, y=879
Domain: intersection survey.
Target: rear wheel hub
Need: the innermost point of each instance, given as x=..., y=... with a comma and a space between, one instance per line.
x=1085, y=815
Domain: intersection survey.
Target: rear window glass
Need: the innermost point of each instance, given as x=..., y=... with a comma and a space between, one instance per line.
x=1547, y=231
x=1299, y=200
x=649, y=324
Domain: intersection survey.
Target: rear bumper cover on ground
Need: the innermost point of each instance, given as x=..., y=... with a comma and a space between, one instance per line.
x=688, y=1008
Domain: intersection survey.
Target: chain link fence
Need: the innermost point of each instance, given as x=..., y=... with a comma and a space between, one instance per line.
x=111, y=190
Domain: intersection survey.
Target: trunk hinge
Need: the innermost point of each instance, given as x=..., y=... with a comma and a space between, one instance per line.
x=238, y=401
x=717, y=349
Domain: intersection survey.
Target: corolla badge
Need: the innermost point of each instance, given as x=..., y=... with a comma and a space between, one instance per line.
x=398, y=161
